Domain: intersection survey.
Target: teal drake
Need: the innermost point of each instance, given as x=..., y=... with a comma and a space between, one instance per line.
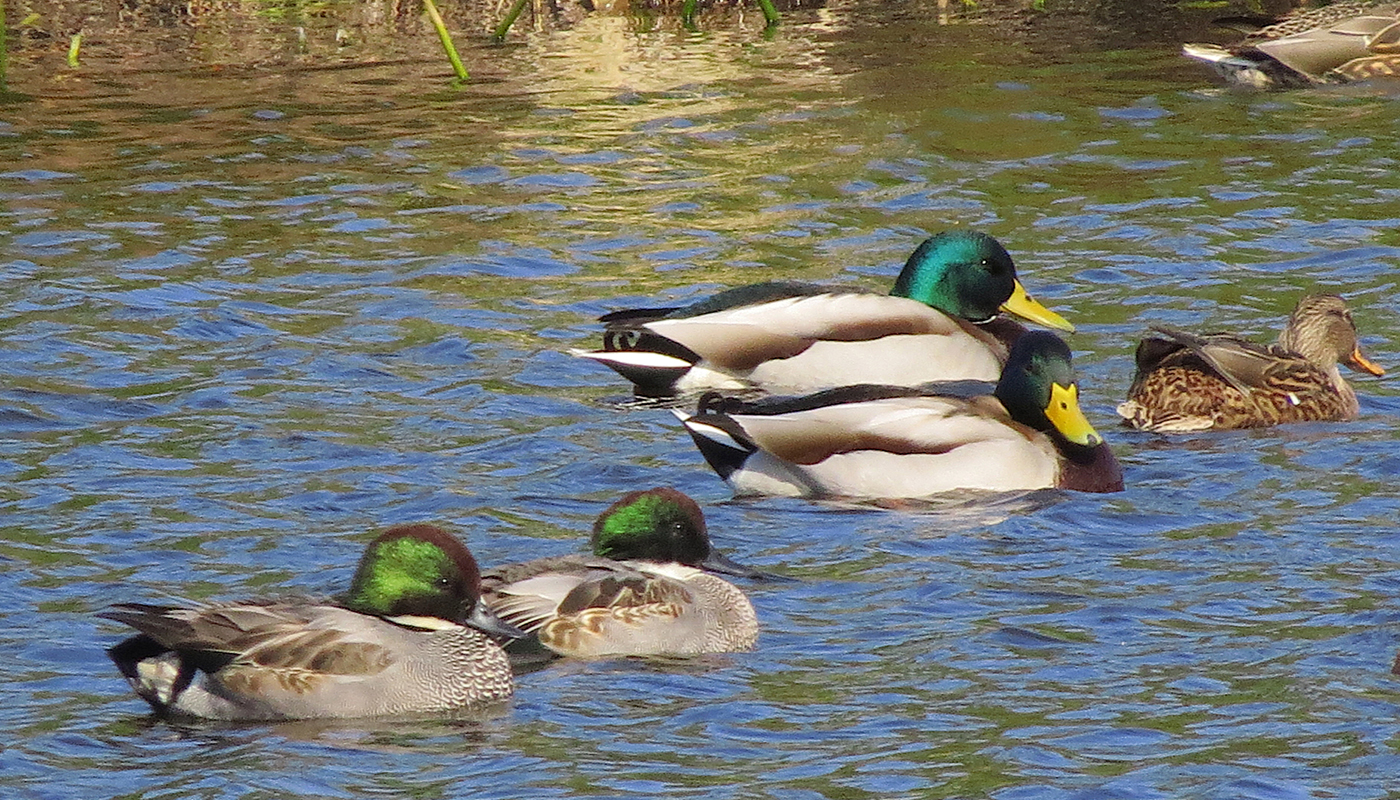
x=1190, y=382
x=411, y=635
x=647, y=588
x=871, y=441
x=1333, y=44
x=941, y=321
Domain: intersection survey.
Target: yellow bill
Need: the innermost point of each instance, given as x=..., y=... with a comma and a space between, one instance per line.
x=1063, y=412
x=1026, y=307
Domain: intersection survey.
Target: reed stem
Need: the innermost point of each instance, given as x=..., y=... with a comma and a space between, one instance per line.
x=511, y=16
x=769, y=12
x=446, y=39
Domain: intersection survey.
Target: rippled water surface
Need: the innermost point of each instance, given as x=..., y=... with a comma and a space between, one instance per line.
x=252, y=314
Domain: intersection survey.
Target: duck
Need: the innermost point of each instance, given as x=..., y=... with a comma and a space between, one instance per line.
x=411, y=635
x=1219, y=381
x=648, y=588
x=941, y=321
x=889, y=442
x=1336, y=43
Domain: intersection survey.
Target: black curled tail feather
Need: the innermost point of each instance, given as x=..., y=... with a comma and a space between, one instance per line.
x=128, y=655
x=719, y=438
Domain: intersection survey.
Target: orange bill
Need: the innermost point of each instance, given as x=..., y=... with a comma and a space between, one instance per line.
x=1358, y=361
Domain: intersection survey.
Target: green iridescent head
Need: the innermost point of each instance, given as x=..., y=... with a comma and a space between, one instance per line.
x=1038, y=388
x=665, y=526
x=652, y=525
x=969, y=275
x=422, y=571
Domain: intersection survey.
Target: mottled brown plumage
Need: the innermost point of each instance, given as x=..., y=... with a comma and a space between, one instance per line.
x=1190, y=382
x=1339, y=42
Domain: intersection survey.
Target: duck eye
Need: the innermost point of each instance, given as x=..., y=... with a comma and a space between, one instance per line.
x=442, y=582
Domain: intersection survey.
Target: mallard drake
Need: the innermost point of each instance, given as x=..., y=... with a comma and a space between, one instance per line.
x=940, y=322
x=411, y=635
x=1336, y=43
x=1189, y=382
x=871, y=441
x=647, y=589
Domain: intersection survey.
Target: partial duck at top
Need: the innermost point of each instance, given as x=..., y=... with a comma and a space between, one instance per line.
x=943, y=320
x=1336, y=43
x=1195, y=382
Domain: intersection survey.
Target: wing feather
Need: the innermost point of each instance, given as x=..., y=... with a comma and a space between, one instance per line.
x=902, y=426
x=744, y=337
x=258, y=647
x=530, y=603
x=1240, y=362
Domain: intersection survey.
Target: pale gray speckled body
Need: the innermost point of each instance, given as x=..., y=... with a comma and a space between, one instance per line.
x=307, y=661
x=591, y=607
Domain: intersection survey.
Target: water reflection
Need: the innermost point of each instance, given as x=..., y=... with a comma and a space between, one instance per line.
x=251, y=315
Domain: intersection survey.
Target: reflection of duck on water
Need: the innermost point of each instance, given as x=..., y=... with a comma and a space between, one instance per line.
x=1337, y=43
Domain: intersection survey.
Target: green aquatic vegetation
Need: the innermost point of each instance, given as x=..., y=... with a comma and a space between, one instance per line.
x=446, y=39
x=511, y=16
x=770, y=13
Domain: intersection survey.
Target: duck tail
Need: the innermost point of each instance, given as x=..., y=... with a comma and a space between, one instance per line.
x=156, y=673
x=719, y=438
x=651, y=362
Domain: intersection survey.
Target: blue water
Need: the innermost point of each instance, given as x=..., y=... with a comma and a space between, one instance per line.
x=252, y=316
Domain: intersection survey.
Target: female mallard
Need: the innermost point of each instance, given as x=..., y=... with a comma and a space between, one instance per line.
x=897, y=442
x=646, y=590
x=940, y=322
x=1338, y=42
x=410, y=636
x=1186, y=382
